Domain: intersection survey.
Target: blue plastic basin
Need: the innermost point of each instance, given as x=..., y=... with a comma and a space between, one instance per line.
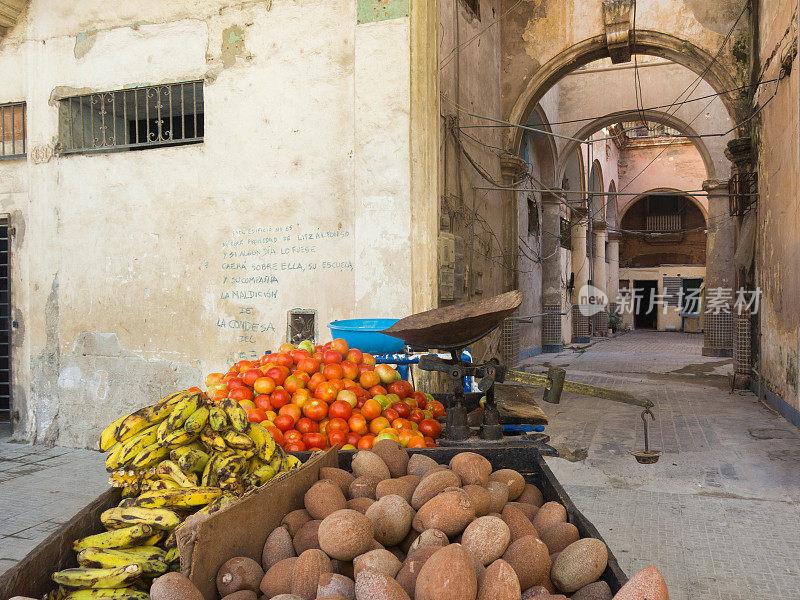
x=364, y=335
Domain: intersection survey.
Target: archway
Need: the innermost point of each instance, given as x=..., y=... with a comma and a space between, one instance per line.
x=649, y=42
x=611, y=205
x=626, y=205
x=596, y=189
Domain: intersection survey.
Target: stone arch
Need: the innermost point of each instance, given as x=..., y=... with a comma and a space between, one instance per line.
x=611, y=204
x=653, y=43
x=575, y=172
x=596, y=191
x=544, y=148
x=655, y=116
x=629, y=204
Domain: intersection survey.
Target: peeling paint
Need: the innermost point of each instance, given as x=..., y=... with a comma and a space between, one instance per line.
x=84, y=43
x=371, y=11
x=232, y=45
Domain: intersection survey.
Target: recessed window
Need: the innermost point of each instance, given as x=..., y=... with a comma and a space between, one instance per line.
x=12, y=130
x=132, y=119
x=474, y=6
x=533, y=218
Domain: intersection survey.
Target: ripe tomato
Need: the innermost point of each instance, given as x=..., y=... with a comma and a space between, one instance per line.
x=315, y=441
x=368, y=379
x=264, y=385
x=318, y=354
x=337, y=437
x=284, y=422
x=436, y=408
x=316, y=379
x=280, y=397
x=292, y=384
x=371, y=409
x=349, y=397
x=366, y=441
x=337, y=424
x=352, y=439
x=300, y=398
x=332, y=371
x=296, y=447
x=247, y=404
x=362, y=368
x=241, y=393
x=302, y=375
x=213, y=379
x=378, y=424
x=249, y=377
x=400, y=387
x=291, y=410
x=326, y=391
x=416, y=416
x=388, y=434
x=357, y=424
x=219, y=395
x=243, y=365
x=305, y=425
x=340, y=346
x=284, y=360
x=354, y=355
x=402, y=424
x=368, y=359
x=349, y=370
x=416, y=442
x=403, y=409
x=430, y=428
x=390, y=414
x=292, y=436
x=276, y=434
x=256, y=415
x=278, y=374
x=340, y=409
x=330, y=357
x=383, y=401
x=315, y=409
x=234, y=382
x=286, y=347
x=299, y=354
x=308, y=365
x=378, y=390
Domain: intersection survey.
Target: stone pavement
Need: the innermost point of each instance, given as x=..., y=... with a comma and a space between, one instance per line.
x=719, y=514
x=41, y=488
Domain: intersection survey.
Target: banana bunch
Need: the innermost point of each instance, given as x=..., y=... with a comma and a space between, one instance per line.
x=179, y=456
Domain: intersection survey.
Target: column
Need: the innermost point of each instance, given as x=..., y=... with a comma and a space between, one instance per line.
x=580, y=268
x=720, y=272
x=613, y=270
x=551, y=274
x=599, y=233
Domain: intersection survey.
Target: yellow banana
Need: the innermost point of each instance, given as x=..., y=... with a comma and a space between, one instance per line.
x=178, y=438
x=176, y=453
x=246, y=454
x=108, y=594
x=136, y=444
x=143, y=418
x=236, y=414
x=108, y=435
x=278, y=459
x=193, y=461
x=150, y=456
x=112, y=458
x=182, y=498
x=234, y=439
x=83, y=577
x=163, y=430
x=265, y=445
x=212, y=440
x=209, y=477
x=163, y=484
x=172, y=540
x=169, y=469
x=232, y=484
x=292, y=462
x=217, y=418
x=153, y=539
x=216, y=505
x=147, y=551
x=263, y=474
x=106, y=558
x=197, y=420
x=117, y=538
x=172, y=556
x=183, y=410
x=114, y=518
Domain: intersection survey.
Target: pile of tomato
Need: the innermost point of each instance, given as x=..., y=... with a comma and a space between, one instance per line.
x=313, y=397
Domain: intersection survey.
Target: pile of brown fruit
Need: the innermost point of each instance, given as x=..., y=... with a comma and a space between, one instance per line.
x=398, y=528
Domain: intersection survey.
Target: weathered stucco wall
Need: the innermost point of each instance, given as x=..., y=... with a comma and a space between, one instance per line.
x=778, y=248
x=136, y=272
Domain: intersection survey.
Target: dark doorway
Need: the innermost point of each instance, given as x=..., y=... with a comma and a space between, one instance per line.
x=5, y=325
x=646, y=315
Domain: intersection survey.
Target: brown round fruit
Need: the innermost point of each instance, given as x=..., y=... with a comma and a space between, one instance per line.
x=241, y=595
x=531, y=495
x=345, y=534
x=559, y=536
x=472, y=468
x=307, y=538
x=381, y=561
x=174, y=586
x=278, y=579
x=432, y=485
x=647, y=583
x=551, y=513
x=513, y=479
x=277, y=547
x=333, y=584
x=499, y=582
x=360, y=504
x=598, y=590
x=419, y=464
x=498, y=492
x=579, y=564
x=518, y=523
x=486, y=538
x=364, y=487
x=393, y=455
x=481, y=499
x=308, y=568
x=401, y=487
x=407, y=576
x=529, y=510
x=391, y=519
x=372, y=585
x=429, y=537
x=295, y=519
x=369, y=464
x=339, y=476
x=447, y=575
x=239, y=573
x=530, y=560
x=451, y=511
x=324, y=498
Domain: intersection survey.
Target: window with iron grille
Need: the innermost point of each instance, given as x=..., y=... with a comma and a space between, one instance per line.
x=474, y=6
x=566, y=234
x=12, y=130
x=132, y=119
x=743, y=192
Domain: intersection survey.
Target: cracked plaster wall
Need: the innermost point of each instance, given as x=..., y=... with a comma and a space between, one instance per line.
x=120, y=287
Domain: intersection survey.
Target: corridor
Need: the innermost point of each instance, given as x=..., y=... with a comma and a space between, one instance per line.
x=719, y=512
